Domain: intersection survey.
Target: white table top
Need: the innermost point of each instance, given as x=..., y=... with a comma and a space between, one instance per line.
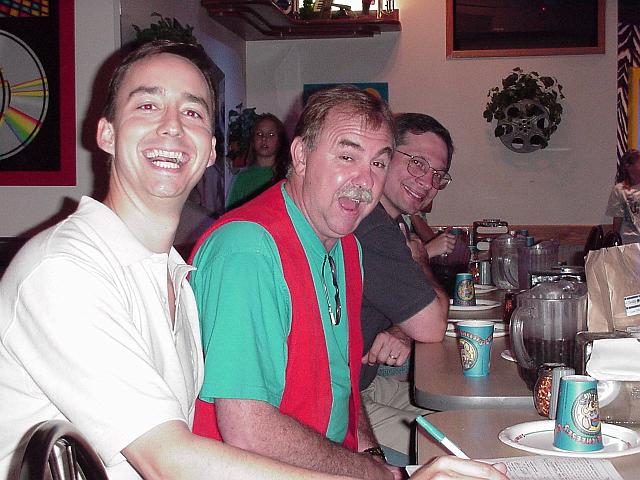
x=476, y=433
x=440, y=385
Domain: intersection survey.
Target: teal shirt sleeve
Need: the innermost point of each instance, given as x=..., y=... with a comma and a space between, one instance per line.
x=245, y=314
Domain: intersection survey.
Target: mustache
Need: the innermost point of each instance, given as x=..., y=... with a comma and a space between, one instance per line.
x=357, y=194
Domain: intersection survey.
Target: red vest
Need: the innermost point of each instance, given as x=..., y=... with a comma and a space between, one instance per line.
x=307, y=390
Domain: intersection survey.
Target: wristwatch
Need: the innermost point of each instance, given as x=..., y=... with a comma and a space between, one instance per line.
x=376, y=452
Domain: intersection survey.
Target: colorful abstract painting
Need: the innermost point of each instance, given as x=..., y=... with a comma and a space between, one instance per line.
x=24, y=8
x=37, y=94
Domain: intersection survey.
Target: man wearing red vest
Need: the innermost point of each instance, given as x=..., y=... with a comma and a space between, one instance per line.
x=279, y=286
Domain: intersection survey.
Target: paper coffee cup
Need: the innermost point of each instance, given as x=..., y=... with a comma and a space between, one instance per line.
x=474, y=342
x=577, y=426
x=464, y=293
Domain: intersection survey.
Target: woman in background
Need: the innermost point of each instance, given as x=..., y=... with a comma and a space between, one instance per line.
x=267, y=161
x=624, y=201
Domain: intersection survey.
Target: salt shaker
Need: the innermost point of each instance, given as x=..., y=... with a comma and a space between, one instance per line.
x=542, y=388
x=556, y=375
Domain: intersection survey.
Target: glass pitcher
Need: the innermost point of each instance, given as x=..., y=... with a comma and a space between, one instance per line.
x=536, y=258
x=545, y=323
x=504, y=260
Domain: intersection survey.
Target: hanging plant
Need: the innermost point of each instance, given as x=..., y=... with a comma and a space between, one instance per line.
x=527, y=109
x=241, y=123
x=165, y=29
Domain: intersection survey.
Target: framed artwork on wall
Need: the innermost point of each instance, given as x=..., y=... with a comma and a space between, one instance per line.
x=510, y=28
x=634, y=108
x=37, y=93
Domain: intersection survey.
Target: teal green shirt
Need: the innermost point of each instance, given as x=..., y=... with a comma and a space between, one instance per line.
x=247, y=183
x=245, y=314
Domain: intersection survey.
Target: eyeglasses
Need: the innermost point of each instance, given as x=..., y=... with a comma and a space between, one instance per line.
x=335, y=319
x=419, y=167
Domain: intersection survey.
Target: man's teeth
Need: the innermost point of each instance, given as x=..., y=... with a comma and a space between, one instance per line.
x=151, y=154
x=165, y=158
x=170, y=165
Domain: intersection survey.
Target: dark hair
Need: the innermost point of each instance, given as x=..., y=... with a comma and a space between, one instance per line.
x=356, y=102
x=282, y=155
x=191, y=52
x=629, y=158
x=419, y=123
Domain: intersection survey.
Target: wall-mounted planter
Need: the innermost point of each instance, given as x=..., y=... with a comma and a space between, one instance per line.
x=527, y=110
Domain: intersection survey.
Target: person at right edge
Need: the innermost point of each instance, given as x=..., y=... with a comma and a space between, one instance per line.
x=402, y=300
x=624, y=201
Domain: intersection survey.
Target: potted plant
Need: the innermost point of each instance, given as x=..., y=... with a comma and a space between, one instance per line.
x=166, y=29
x=241, y=123
x=527, y=108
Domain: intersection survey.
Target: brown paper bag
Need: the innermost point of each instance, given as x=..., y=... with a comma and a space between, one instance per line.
x=613, y=281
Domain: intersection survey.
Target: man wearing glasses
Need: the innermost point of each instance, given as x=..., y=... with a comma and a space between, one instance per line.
x=402, y=300
x=278, y=287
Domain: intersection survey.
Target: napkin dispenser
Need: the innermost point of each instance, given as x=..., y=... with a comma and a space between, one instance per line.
x=486, y=230
x=619, y=399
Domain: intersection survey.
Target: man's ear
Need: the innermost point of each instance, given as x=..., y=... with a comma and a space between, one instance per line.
x=212, y=155
x=298, y=156
x=105, y=136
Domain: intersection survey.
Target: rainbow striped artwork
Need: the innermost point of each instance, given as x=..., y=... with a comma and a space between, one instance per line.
x=37, y=93
x=24, y=95
x=24, y=8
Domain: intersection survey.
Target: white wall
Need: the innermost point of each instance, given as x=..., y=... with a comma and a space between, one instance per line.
x=97, y=22
x=568, y=182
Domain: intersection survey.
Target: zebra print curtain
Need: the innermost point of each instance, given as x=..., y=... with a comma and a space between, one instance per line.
x=628, y=56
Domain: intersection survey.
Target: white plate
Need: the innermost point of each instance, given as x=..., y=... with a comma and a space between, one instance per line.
x=481, y=289
x=480, y=305
x=494, y=320
x=537, y=437
x=499, y=330
x=507, y=355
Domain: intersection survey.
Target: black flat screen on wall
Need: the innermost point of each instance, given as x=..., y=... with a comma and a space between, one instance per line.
x=524, y=27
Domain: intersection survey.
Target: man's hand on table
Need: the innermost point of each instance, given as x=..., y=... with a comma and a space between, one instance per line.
x=450, y=467
x=390, y=347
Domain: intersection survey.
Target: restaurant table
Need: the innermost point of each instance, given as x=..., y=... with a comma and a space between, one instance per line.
x=476, y=433
x=440, y=385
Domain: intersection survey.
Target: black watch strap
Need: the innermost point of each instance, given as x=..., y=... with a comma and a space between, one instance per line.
x=375, y=451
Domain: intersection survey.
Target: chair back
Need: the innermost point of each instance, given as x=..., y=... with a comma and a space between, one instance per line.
x=56, y=450
x=594, y=240
x=612, y=239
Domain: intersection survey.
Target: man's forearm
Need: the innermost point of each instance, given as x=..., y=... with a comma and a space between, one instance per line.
x=171, y=451
x=261, y=428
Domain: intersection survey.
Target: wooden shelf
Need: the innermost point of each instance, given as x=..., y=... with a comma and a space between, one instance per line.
x=263, y=20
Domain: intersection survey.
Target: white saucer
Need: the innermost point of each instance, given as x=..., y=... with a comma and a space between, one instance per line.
x=494, y=320
x=507, y=355
x=537, y=437
x=499, y=329
x=480, y=305
x=482, y=289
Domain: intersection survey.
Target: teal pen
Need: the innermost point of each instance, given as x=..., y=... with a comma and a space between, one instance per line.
x=440, y=437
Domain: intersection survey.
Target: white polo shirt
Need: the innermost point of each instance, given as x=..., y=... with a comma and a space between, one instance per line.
x=85, y=335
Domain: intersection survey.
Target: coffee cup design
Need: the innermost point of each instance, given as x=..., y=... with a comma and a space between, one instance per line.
x=578, y=427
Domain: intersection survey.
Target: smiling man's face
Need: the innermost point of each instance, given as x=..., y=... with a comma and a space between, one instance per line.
x=404, y=193
x=161, y=137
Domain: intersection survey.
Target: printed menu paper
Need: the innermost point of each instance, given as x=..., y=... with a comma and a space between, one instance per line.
x=541, y=467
